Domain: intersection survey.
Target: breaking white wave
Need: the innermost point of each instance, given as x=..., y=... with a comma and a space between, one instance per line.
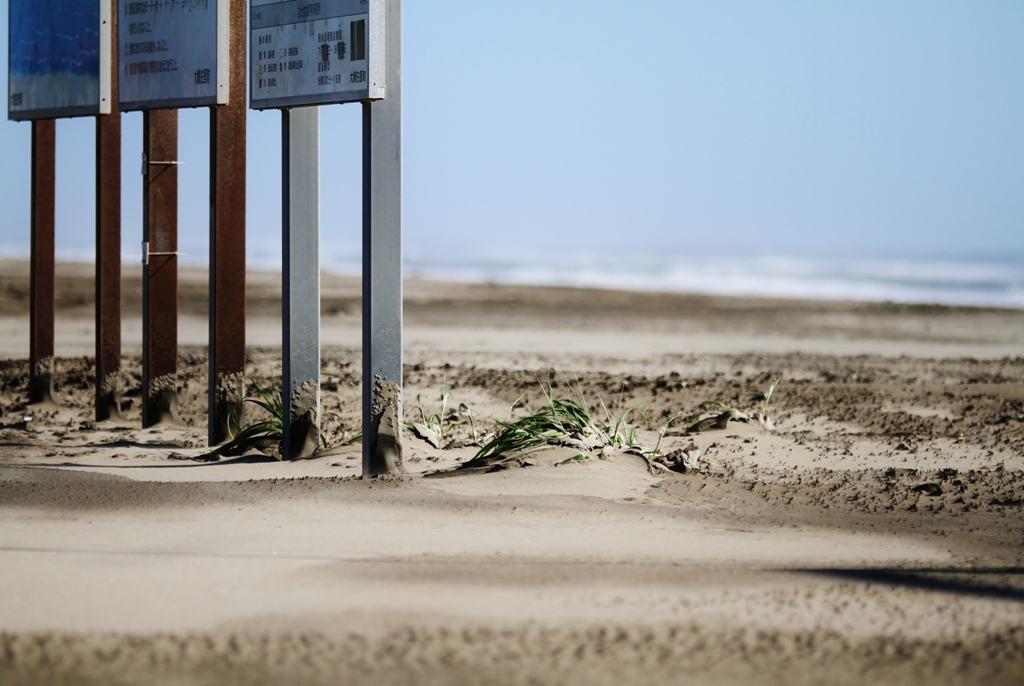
x=980, y=283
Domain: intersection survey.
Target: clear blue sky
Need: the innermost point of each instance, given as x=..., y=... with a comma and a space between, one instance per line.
x=875, y=129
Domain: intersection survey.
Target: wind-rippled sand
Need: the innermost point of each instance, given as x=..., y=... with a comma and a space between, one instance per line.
x=875, y=536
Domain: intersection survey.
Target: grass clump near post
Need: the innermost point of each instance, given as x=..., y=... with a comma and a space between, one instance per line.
x=265, y=435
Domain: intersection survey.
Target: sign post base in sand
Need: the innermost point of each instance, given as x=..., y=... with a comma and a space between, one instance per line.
x=173, y=55
x=60, y=66
x=382, y=263
x=227, y=242
x=300, y=382
x=337, y=51
x=160, y=268
x=108, y=254
x=41, y=289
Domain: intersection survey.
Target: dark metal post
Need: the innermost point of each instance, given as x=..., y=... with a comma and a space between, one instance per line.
x=44, y=143
x=160, y=268
x=300, y=380
x=108, y=251
x=227, y=242
x=382, y=262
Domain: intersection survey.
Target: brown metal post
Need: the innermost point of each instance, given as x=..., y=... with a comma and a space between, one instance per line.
x=44, y=143
x=108, y=251
x=227, y=242
x=160, y=271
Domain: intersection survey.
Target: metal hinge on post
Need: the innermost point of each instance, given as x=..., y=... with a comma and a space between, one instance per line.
x=146, y=253
x=146, y=163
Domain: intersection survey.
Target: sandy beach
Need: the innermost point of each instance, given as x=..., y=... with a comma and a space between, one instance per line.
x=872, y=534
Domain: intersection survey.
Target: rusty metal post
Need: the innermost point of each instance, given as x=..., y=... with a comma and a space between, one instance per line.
x=108, y=252
x=160, y=268
x=44, y=142
x=227, y=242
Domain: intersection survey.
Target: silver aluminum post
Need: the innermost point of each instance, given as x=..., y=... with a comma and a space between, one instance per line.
x=300, y=382
x=382, y=261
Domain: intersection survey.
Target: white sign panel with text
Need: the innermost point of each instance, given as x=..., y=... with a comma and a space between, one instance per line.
x=319, y=52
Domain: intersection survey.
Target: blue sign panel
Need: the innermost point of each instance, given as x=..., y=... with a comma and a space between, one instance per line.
x=172, y=53
x=59, y=58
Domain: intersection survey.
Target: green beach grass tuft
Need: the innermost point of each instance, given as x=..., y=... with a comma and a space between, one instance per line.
x=564, y=420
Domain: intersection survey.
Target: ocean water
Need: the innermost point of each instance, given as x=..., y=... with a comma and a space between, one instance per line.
x=949, y=282
x=990, y=283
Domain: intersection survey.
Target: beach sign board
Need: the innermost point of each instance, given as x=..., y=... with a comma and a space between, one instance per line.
x=314, y=52
x=59, y=58
x=172, y=53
